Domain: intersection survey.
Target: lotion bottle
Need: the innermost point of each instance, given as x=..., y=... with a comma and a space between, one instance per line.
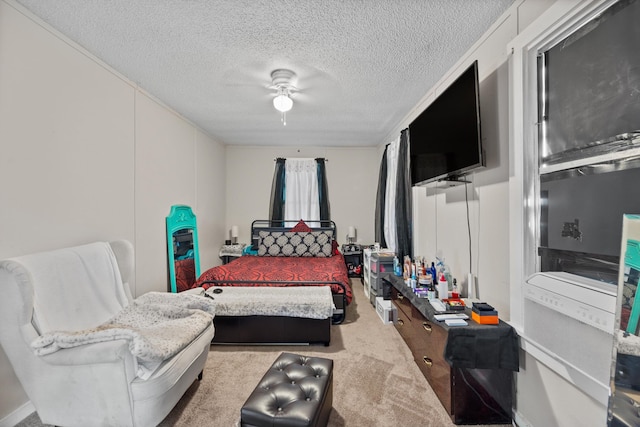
x=443, y=287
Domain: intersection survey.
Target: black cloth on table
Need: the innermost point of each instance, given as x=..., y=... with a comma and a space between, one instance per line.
x=483, y=347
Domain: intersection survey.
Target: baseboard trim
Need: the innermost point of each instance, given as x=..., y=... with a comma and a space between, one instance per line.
x=519, y=420
x=18, y=415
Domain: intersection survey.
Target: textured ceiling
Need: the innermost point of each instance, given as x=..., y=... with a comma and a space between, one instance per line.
x=362, y=65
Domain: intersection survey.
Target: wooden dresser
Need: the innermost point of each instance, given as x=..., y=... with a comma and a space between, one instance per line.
x=470, y=395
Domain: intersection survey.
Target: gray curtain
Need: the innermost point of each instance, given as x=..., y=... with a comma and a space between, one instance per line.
x=276, y=206
x=380, y=201
x=404, y=226
x=323, y=190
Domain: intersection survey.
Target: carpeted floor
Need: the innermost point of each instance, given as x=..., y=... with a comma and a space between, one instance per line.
x=376, y=382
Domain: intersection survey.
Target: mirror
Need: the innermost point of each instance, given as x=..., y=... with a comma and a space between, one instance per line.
x=182, y=248
x=624, y=400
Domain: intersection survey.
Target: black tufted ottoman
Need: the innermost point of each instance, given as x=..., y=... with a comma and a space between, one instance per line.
x=296, y=391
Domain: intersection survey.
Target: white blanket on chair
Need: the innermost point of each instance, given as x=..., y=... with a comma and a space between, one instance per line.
x=157, y=326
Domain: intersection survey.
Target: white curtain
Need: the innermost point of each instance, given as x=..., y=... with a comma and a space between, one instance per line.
x=302, y=200
x=390, y=233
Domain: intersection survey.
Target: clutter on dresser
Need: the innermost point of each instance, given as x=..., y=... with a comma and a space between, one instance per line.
x=455, y=322
x=438, y=305
x=446, y=316
x=454, y=304
x=485, y=314
x=428, y=280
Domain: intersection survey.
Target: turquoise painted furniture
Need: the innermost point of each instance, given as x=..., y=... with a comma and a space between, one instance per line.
x=632, y=260
x=182, y=244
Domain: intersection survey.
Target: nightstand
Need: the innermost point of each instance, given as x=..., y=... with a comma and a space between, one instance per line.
x=353, y=258
x=230, y=252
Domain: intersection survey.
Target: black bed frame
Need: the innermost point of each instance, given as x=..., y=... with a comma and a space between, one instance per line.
x=280, y=329
x=271, y=330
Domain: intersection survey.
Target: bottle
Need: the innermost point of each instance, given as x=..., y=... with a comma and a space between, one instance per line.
x=431, y=291
x=443, y=287
x=433, y=272
x=414, y=276
x=454, y=290
x=396, y=266
x=407, y=268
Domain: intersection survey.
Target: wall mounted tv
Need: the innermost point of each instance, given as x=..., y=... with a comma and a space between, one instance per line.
x=445, y=139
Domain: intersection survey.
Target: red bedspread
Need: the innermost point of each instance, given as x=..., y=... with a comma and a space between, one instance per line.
x=281, y=269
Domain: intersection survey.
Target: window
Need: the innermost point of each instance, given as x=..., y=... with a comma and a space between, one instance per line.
x=300, y=190
x=588, y=108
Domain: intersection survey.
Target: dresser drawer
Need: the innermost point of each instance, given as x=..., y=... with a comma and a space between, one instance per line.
x=405, y=323
x=403, y=304
x=429, y=341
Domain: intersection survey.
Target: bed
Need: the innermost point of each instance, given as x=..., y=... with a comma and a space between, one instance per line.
x=286, y=254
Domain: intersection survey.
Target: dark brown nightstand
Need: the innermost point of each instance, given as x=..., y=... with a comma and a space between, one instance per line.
x=353, y=258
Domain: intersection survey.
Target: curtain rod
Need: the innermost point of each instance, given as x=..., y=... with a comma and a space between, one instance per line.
x=388, y=143
x=323, y=158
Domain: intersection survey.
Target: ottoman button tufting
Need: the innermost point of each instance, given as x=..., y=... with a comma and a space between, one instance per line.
x=258, y=411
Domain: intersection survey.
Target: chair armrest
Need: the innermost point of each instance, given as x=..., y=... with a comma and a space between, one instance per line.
x=102, y=352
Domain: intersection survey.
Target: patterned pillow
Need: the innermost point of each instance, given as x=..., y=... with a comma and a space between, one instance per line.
x=295, y=244
x=301, y=226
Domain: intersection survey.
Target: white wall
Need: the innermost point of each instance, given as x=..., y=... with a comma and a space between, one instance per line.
x=176, y=163
x=352, y=175
x=84, y=156
x=211, y=198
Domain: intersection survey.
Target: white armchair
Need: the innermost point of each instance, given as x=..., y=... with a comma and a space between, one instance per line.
x=94, y=384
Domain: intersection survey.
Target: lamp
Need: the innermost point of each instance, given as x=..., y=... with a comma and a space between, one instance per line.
x=351, y=234
x=283, y=83
x=234, y=234
x=282, y=102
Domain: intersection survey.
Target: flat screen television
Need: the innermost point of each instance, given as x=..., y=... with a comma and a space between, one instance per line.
x=445, y=139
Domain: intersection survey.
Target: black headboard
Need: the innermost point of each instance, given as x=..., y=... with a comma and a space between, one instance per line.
x=286, y=225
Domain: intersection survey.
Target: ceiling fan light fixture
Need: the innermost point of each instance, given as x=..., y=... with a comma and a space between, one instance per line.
x=283, y=82
x=282, y=102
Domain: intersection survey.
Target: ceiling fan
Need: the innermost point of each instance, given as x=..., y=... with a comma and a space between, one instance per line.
x=283, y=81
